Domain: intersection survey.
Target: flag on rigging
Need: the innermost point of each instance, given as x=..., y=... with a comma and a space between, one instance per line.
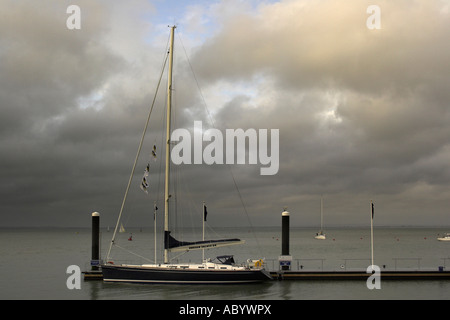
x=144, y=183
x=154, y=152
x=373, y=211
x=205, y=213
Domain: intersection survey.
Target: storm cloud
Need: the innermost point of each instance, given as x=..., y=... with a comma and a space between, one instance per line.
x=363, y=113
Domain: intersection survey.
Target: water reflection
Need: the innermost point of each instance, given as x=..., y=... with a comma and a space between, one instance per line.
x=101, y=290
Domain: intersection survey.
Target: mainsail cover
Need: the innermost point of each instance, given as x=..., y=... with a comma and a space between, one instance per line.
x=174, y=245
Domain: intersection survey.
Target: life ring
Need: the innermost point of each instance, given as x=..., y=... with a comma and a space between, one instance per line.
x=258, y=263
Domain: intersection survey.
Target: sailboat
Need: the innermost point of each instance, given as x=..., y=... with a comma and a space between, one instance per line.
x=320, y=235
x=222, y=270
x=446, y=237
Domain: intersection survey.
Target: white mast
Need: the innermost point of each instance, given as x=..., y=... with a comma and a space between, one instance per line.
x=166, y=190
x=320, y=235
x=321, y=214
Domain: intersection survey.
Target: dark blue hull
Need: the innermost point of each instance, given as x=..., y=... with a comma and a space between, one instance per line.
x=139, y=274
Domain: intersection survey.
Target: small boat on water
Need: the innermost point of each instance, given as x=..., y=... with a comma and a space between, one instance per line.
x=446, y=237
x=320, y=236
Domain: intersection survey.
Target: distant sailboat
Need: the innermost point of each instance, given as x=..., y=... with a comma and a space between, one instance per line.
x=320, y=235
x=122, y=229
x=446, y=237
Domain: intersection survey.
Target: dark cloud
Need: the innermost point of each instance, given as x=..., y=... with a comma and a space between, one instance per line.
x=359, y=110
x=363, y=114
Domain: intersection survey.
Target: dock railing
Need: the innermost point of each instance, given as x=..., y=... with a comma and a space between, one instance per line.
x=352, y=264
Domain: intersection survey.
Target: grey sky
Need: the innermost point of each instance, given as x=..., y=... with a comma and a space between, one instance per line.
x=363, y=114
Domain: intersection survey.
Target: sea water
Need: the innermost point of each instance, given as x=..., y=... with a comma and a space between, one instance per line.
x=34, y=262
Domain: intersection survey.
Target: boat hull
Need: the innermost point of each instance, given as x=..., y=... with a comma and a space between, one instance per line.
x=144, y=274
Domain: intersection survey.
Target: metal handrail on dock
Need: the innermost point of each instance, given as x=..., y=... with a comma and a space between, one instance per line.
x=354, y=264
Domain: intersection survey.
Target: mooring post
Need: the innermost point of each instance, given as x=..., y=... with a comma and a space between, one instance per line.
x=285, y=258
x=95, y=260
x=285, y=233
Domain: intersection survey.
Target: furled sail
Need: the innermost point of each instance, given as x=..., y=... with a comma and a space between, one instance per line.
x=175, y=245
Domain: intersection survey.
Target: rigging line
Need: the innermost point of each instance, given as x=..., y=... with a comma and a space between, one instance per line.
x=245, y=209
x=134, y=253
x=196, y=81
x=179, y=255
x=214, y=126
x=160, y=168
x=160, y=188
x=136, y=159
